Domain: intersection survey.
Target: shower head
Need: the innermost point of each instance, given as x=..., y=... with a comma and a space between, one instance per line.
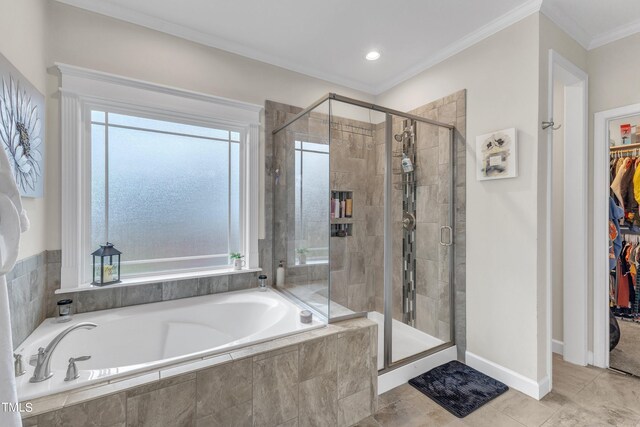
x=401, y=136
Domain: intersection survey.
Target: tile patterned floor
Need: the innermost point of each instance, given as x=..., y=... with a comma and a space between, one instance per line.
x=582, y=396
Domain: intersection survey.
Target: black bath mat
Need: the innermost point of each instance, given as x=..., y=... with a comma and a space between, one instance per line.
x=458, y=388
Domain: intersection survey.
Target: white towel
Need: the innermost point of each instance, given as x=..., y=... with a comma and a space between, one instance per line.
x=13, y=220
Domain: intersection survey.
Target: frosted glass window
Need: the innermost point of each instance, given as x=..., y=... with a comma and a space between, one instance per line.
x=312, y=200
x=167, y=199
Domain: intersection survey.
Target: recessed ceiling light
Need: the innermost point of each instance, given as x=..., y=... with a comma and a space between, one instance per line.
x=373, y=55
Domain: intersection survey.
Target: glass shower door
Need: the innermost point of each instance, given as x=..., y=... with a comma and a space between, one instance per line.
x=422, y=234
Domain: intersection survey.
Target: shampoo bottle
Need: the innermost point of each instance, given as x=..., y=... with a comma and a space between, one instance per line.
x=280, y=275
x=407, y=166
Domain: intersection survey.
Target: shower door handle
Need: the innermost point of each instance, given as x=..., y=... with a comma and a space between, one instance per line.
x=449, y=235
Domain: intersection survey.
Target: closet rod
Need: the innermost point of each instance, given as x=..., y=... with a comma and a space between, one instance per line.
x=626, y=147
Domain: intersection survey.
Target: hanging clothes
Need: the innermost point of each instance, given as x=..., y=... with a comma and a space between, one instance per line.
x=616, y=213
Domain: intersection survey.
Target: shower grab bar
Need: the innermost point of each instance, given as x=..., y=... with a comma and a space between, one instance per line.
x=449, y=241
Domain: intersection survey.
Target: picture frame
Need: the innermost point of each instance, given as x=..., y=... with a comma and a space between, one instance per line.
x=22, y=129
x=497, y=155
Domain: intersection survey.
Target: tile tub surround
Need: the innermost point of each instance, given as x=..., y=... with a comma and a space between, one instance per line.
x=321, y=377
x=33, y=281
x=31, y=285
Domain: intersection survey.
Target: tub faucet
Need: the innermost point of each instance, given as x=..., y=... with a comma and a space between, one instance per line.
x=43, y=366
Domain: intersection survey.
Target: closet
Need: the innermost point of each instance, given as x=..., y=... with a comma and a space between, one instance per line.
x=624, y=246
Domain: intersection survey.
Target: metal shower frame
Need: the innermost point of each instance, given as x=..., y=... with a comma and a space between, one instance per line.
x=388, y=238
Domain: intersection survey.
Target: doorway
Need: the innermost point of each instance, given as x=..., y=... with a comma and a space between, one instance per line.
x=567, y=262
x=616, y=142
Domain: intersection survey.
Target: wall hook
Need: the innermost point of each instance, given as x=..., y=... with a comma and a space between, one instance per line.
x=551, y=124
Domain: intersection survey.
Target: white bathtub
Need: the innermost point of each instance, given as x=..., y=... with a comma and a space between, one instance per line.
x=145, y=337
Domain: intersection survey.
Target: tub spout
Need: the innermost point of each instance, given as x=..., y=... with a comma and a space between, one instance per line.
x=43, y=366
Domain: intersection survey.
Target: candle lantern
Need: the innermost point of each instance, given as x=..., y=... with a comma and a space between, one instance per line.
x=106, y=265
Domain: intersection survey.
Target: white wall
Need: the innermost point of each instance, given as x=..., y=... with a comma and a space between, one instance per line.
x=22, y=42
x=501, y=78
x=97, y=42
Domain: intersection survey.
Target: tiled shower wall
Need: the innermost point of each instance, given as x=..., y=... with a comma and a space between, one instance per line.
x=433, y=170
x=352, y=159
x=433, y=204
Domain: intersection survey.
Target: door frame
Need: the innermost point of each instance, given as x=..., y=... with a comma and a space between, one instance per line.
x=575, y=243
x=601, y=229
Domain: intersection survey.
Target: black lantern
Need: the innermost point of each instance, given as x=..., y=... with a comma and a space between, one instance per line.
x=106, y=265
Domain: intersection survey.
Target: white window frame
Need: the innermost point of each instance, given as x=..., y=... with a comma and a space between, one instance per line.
x=83, y=90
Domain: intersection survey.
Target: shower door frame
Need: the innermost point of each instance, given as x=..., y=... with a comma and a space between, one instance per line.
x=388, y=364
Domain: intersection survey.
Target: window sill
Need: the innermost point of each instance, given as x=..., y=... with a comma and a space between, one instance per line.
x=134, y=281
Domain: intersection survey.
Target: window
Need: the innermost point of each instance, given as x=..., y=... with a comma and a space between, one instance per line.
x=166, y=194
x=312, y=204
x=170, y=176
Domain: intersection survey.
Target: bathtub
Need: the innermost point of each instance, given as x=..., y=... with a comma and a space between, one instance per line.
x=142, y=338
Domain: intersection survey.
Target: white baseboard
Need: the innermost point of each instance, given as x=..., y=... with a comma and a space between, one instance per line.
x=557, y=347
x=401, y=375
x=530, y=387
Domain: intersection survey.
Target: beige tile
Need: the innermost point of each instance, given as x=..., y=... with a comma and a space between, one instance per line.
x=169, y=406
x=355, y=360
x=30, y=422
x=367, y=422
x=415, y=411
x=487, y=416
x=354, y=408
x=318, y=401
x=318, y=357
x=522, y=408
x=48, y=403
x=291, y=423
x=555, y=400
x=275, y=389
x=613, y=388
x=195, y=365
x=404, y=391
x=106, y=411
x=156, y=385
x=223, y=387
x=573, y=414
x=569, y=379
x=237, y=416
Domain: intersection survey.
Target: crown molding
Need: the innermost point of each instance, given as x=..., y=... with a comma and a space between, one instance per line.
x=615, y=34
x=128, y=15
x=493, y=27
x=566, y=23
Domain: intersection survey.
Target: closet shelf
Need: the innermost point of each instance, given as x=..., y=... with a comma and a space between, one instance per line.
x=342, y=220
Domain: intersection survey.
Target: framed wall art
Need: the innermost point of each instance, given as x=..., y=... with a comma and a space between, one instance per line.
x=497, y=155
x=22, y=129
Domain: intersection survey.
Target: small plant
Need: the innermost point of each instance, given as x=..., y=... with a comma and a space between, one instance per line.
x=236, y=255
x=302, y=255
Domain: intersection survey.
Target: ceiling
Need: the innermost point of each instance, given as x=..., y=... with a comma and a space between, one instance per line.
x=328, y=39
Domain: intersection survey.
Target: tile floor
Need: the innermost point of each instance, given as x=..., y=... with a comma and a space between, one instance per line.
x=626, y=356
x=582, y=396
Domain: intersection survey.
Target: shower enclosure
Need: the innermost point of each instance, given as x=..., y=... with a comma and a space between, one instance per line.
x=363, y=220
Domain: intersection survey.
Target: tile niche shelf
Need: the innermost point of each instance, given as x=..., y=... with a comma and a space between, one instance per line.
x=341, y=213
